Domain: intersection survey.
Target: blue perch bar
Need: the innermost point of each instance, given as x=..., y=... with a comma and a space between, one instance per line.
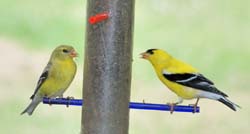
x=132, y=105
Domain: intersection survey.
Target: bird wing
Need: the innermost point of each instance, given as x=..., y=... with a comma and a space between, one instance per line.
x=42, y=79
x=197, y=81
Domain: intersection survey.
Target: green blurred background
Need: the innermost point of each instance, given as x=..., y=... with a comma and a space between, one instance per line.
x=212, y=35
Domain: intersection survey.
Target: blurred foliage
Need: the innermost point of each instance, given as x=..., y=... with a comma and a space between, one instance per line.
x=43, y=23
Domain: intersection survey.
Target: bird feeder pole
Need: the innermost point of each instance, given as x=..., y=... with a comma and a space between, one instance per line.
x=107, y=67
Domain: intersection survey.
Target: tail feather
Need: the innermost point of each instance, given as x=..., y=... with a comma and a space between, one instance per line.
x=30, y=109
x=228, y=103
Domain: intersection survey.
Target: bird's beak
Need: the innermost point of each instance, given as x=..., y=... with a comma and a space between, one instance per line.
x=73, y=54
x=144, y=55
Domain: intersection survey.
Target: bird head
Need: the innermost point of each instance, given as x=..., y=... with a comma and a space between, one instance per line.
x=155, y=55
x=64, y=52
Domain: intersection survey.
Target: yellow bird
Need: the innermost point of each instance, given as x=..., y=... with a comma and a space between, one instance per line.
x=184, y=80
x=56, y=77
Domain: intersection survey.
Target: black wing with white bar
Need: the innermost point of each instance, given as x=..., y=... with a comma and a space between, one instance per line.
x=197, y=81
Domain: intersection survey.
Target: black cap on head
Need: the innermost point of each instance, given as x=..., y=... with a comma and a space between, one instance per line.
x=150, y=51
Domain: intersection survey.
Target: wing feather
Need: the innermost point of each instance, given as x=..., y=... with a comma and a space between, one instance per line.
x=42, y=79
x=197, y=81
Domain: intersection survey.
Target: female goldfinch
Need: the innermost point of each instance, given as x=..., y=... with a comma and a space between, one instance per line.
x=183, y=79
x=56, y=77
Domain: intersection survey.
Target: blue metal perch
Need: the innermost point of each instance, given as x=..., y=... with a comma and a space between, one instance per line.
x=132, y=105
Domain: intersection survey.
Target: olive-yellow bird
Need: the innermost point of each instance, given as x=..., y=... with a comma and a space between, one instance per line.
x=183, y=79
x=56, y=77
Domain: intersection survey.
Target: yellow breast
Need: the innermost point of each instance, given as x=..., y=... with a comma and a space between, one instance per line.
x=59, y=79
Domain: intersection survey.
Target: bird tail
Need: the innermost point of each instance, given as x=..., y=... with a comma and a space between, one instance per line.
x=229, y=103
x=30, y=109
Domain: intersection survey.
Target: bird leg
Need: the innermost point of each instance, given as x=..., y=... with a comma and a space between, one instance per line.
x=173, y=104
x=171, y=107
x=69, y=98
x=195, y=105
x=46, y=96
x=50, y=101
x=143, y=101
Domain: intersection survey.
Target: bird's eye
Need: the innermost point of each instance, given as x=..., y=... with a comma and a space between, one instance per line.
x=65, y=50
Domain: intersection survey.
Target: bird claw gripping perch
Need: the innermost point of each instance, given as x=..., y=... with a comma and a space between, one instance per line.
x=195, y=105
x=68, y=102
x=172, y=105
x=50, y=104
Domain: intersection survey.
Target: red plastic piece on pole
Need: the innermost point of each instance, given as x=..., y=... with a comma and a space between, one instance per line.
x=98, y=18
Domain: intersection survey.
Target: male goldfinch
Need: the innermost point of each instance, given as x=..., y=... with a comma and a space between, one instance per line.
x=183, y=79
x=56, y=77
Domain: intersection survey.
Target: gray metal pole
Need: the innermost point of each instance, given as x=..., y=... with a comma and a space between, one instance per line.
x=107, y=68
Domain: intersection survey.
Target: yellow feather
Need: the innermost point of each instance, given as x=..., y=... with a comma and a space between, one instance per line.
x=166, y=65
x=61, y=75
x=161, y=61
x=61, y=70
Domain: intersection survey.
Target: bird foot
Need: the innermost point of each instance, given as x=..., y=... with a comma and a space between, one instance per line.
x=50, y=104
x=143, y=101
x=172, y=105
x=69, y=98
x=195, y=107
